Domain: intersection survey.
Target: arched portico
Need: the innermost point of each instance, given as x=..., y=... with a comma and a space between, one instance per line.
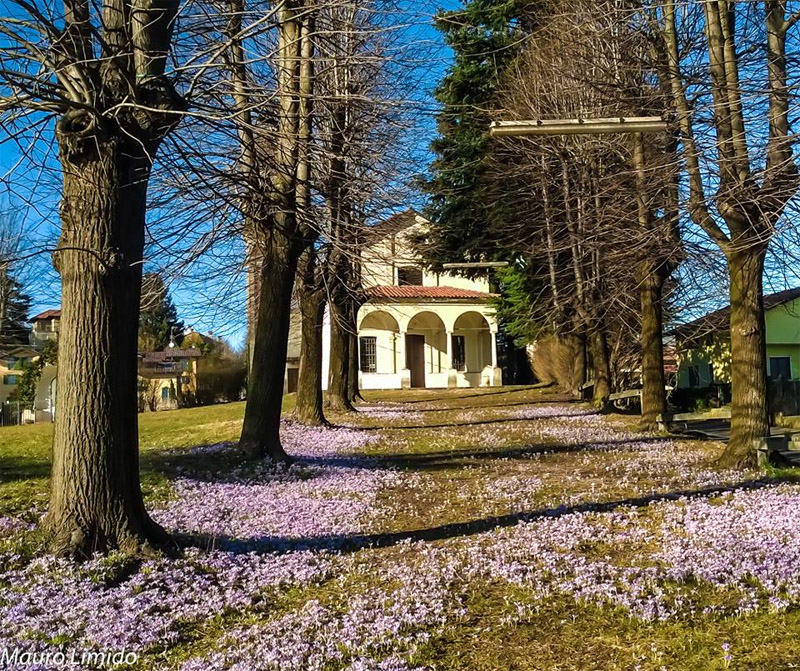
x=474, y=350
x=434, y=344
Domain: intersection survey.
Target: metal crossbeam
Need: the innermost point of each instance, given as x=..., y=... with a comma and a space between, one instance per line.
x=647, y=124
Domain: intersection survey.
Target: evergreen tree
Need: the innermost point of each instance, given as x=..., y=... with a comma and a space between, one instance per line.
x=483, y=36
x=15, y=305
x=158, y=317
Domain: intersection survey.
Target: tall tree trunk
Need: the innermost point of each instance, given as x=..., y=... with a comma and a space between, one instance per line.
x=309, y=409
x=581, y=365
x=261, y=429
x=353, y=390
x=338, y=397
x=601, y=365
x=96, y=501
x=749, y=402
x=654, y=401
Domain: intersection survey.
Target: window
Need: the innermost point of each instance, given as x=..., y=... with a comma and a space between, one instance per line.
x=165, y=393
x=10, y=379
x=11, y=362
x=780, y=367
x=694, y=376
x=368, y=349
x=409, y=276
x=459, y=353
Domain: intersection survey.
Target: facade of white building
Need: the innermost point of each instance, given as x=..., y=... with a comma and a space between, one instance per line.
x=418, y=329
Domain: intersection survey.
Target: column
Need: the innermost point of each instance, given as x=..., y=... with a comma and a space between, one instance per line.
x=497, y=373
x=405, y=373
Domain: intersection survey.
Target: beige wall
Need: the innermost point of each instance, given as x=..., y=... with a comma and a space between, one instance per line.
x=381, y=260
x=438, y=321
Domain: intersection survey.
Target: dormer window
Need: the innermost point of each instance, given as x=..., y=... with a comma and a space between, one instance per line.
x=409, y=276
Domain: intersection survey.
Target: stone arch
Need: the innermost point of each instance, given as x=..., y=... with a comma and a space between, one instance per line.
x=472, y=345
x=379, y=320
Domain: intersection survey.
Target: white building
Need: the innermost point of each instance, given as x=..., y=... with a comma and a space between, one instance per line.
x=418, y=329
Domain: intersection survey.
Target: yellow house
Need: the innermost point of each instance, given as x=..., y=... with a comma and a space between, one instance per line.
x=420, y=329
x=168, y=379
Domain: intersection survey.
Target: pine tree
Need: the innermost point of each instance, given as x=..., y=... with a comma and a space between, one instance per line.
x=482, y=35
x=15, y=305
x=158, y=318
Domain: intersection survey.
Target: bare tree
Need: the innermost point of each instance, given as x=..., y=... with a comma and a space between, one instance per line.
x=755, y=172
x=102, y=73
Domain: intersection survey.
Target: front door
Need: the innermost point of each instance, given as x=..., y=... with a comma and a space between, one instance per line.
x=415, y=359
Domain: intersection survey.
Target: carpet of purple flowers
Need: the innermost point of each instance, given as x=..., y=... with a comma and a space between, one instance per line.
x=337, y=562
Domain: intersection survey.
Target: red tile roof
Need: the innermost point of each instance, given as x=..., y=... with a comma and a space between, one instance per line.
x=426, y=292
x=47, y=314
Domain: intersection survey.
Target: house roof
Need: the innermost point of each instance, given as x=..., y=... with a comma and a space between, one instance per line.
x=158, y=357
x=395, y=223
x=47, y=314
x=18, y=351
x=417, y=292
x=719, y=320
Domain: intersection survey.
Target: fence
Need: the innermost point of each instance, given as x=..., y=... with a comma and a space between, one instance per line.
x=784, y=397
x=13, y=413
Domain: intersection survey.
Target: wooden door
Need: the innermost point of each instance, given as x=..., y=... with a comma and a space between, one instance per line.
x=415, y=359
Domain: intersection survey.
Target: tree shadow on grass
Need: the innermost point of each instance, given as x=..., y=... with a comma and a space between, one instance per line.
x=231, y=465
x=450, y=458
x=449, y=395
x=16, y=468
x=354, y=542
x=493, y=406
x=476, y=422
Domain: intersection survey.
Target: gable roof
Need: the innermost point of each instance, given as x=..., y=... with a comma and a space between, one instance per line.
x=719, y=320
x=394, y=224
x=407, y=292
x=47, y=314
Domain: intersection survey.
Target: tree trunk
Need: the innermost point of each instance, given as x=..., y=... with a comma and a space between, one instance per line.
x=309, y=408
x=353, y=390
x=338, y=398
x=654, y=402
x=601, y=365
x=262, y=418
x=96, y=500
x=580, y=365
x=749, y=402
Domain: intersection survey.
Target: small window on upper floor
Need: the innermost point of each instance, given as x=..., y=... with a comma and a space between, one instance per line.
x=409, y=276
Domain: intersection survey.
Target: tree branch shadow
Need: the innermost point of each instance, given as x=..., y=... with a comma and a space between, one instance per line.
x=349, y=543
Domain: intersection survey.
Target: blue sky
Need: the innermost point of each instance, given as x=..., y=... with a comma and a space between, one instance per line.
x=208, y=300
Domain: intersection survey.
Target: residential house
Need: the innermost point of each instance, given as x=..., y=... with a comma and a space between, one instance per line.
x=167, y=379
x=703, y=345
x=46, y=326
x=417, y=329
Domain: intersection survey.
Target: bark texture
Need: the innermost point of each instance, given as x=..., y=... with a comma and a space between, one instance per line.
x=96, y=501
x=309, y=409
x=653, y=383
x=338, y=397
x=261, y=429
x=749, y=402
x=601, y=364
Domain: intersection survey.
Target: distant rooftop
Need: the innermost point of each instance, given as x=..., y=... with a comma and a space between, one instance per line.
x=425, y=292
x=719, y=320
x=47, y=314
x=395, y=223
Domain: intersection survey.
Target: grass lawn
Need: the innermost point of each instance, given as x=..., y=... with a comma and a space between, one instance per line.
x=467, y=529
